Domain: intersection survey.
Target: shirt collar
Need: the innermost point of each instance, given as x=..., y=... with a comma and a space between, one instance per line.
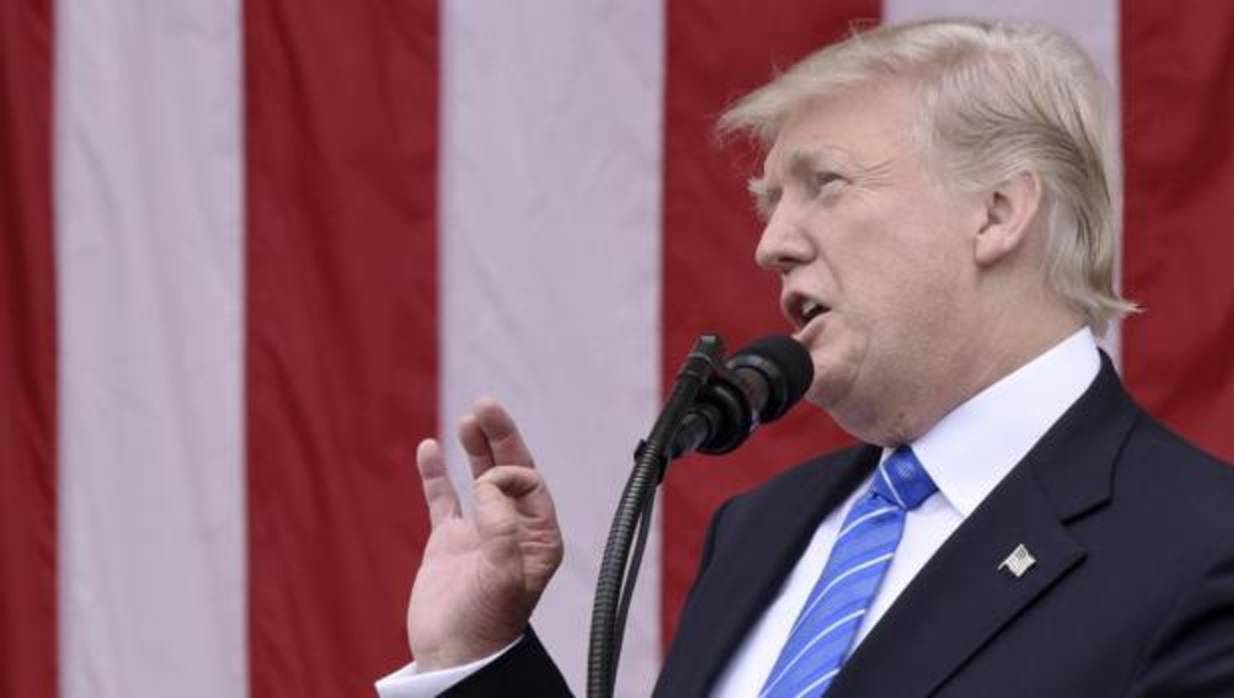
x=973, y=448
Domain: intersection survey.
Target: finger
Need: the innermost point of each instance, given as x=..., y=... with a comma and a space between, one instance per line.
x=475, y=445
x=504, y=440
x=524, y=488
x=495, y=514
x=438, y=490
x=514, y=482
x=515, y=516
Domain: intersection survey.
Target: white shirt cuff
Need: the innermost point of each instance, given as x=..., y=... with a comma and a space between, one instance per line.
x=409, y=683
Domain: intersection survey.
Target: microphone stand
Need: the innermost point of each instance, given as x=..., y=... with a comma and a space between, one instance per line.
x=616, y=583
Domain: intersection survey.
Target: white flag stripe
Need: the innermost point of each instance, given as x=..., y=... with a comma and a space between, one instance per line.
x=149, y=245
x=1094, y=23
x=550, y=233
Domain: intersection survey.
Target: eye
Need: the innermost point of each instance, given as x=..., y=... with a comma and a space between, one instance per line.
x=765, y=197
x=824, y=179
x=766, y=204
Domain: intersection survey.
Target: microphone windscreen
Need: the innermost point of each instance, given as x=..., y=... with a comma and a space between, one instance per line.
x=794, y=366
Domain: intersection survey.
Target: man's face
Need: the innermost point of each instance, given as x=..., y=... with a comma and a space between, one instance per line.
x=876, y=259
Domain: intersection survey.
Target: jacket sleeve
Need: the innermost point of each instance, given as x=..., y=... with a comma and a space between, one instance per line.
x=525, y=670
x=1192, y=655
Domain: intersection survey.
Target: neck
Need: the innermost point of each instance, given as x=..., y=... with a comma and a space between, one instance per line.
x=1004, y=343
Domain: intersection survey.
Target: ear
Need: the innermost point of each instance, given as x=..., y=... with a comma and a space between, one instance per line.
x=1010, y=209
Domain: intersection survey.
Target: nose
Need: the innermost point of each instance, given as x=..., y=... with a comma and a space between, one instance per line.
x=783, y=244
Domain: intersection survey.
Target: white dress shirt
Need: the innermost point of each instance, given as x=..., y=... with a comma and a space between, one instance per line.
x=967, y=454
x=408, y=683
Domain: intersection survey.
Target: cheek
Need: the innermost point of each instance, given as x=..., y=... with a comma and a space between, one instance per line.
x=838, y=354
x=917, y=303
x=923, y=262
x=897, y=265
x=906, y=292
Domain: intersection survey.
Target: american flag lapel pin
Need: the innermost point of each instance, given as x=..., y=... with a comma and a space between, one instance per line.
x=1019, y=561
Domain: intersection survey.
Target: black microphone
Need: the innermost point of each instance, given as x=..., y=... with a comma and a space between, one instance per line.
x=758, y=384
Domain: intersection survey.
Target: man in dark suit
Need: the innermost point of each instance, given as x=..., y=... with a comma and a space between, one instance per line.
x=941, y=205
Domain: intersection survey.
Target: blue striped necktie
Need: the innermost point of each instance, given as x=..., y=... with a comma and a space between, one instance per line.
x=824, y=632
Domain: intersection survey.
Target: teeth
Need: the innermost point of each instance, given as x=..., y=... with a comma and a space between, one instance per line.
x=809, y=309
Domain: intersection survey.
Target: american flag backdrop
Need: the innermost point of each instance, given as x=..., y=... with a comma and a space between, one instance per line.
x=252, y=250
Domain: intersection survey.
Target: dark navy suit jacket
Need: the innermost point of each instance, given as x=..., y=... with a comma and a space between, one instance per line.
x=1132, y=593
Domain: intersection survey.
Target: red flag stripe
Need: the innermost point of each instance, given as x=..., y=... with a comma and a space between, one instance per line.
x=707, y=216
x=1178, y=101
x=27, y=356
x=344, y=290
x=341, y=333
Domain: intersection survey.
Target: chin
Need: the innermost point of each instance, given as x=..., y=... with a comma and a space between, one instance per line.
x=832, y=384
x=851, y=411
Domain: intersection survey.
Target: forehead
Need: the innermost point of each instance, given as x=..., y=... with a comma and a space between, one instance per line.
x=863, y=124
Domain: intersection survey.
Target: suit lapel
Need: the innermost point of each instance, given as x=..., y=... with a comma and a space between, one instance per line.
x=961, y=599
x=748, y=569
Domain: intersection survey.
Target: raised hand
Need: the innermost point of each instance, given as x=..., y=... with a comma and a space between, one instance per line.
x=481, y=574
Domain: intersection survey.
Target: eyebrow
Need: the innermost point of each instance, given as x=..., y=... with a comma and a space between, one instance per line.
x=765, y=196
x=800, y=161
x=806, y=159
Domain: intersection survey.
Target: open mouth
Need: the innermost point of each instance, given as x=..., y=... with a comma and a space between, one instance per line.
x=811, y=309
x=801, y=310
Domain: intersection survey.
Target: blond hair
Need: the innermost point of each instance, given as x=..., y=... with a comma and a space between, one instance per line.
x=999, y=98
